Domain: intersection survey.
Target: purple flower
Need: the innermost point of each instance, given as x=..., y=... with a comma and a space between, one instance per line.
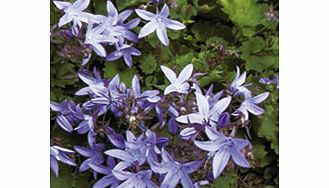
x=222, y=148
x=137, y=180
x=60, y=154
x=150, y=95
x=268, y=81
x=236, y=86
x=179, y=84
x=108, y=179
x=158, y=22
x=65, y=117
x=249, y=105
x=94, y=38
x=125, y=51
x=206, y=115
x=94, y=154
x=174, y=171
x=73, y=12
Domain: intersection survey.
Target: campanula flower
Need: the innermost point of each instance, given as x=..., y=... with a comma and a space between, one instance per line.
x=137, y=180
x=60, y=154
x=222, y=148
x=205, y=115
x=237, y=86
x=125, y=51
x=73, y=13
x=174, y=171
x=158, y=22
x=250, y=105
x=108, y=179
x=94, y=155
x=178, y=84
x=65, y=118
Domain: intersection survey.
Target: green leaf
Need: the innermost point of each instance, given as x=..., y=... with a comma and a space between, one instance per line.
x=243, y=12
x=126, y=74
x=253, y=45
x=268, y=128
x=227, y=180
x=64, y=179
x=261, y=154
x=148, y=64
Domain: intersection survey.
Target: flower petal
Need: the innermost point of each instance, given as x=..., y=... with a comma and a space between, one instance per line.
x=164, y=11
x=260, y=98
x=61, y=5
x=147, y=29
x=185, y=74
x=239, y=158
x=80, y=4
x=145, y=14
x=162, y=35
x=219, y=162
x=173, y=24
x=203, y=105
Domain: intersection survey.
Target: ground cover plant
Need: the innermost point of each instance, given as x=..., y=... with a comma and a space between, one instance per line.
x=176, y=93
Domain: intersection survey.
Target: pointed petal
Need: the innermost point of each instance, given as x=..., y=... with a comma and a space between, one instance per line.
x=162, y=35
x=145, y=14
x=188, y=133
x=260, y=98
x=147, y=29
x=64, y=20
x=130, y=136
x=164, y=11
x=61, y=5
x=239, y=158
x=83, y=151
x=99, y=49
x=186, y=180
x=207, y=145
x=135, y=86
x=128, y=183
x=171, y=180
x=185, y=73
x=191, y=166
x=240, y=143
x=64, y=123
x=55, y=106
x=120, y=154
x=191, y=118
x=121, y=175
x=124, y=15
x=171, y=88
x=213, y=134
x=166, y=157
x=203, y=105
x=104, y=182
x=100, y=168
x=170, y=74
x=111, y=10
x=54, y=165
x=65, y=159
x=219, y=162
x=81, y=4
x=173, y=24
x=128, y=60
x=133, y=23
x=241, y=79
x=219, y=107
x=254, y=109
x=84, y=165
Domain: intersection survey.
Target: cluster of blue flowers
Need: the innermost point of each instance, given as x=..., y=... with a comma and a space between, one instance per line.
x=144, y=157
x=113, y=30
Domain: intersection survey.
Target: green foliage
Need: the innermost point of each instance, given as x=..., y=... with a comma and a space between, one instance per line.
x=220, y=35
